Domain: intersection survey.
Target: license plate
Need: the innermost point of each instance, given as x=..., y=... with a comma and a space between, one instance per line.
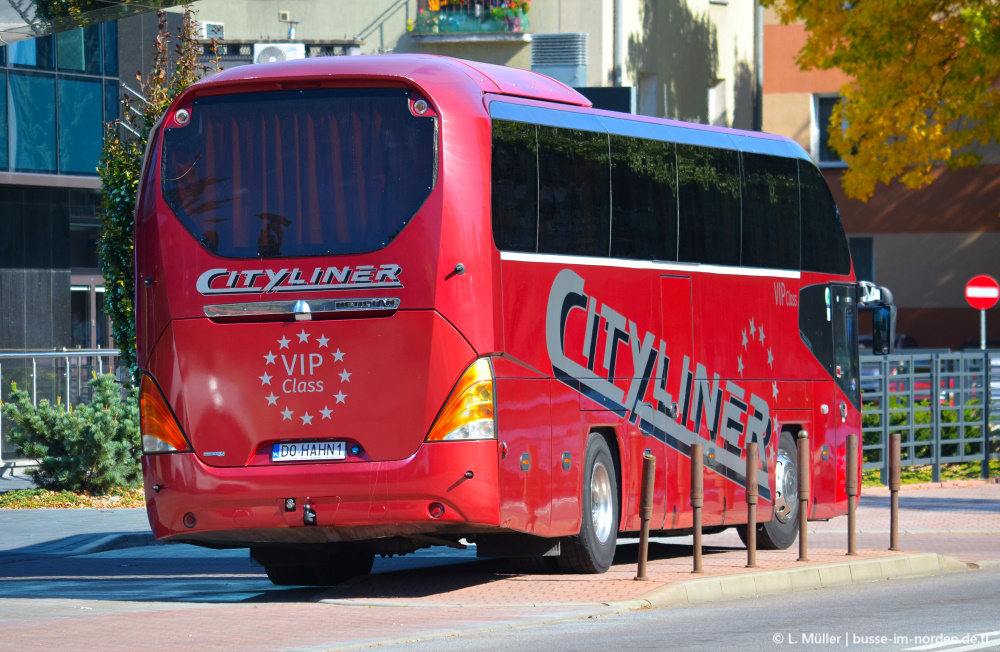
x=309, y=451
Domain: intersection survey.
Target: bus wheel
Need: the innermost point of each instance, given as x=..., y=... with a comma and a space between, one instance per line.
x=593, y=550
x=780, y=532
x=287, y=575
x=344, y=566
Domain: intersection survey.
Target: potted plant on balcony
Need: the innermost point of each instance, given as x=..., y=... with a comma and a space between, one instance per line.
x=511, y=16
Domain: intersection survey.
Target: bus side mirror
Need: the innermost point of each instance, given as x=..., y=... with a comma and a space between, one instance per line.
x=883, y=329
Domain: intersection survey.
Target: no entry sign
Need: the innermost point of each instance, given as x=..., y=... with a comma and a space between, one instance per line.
x=982, y=292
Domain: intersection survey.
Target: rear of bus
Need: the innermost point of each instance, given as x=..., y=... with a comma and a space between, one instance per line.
x=315, y=309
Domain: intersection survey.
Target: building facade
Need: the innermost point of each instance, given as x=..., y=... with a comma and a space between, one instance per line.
x=922, y=244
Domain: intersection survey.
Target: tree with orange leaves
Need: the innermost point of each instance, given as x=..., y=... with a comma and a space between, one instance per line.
x=924, y=89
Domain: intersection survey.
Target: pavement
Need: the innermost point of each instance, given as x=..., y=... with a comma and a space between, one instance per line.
x=944, y=529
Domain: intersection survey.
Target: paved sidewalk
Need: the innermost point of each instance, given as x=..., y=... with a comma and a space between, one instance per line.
x=480, y=595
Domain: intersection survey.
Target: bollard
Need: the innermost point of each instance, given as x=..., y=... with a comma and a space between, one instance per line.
x=894, y=472
x=645, y=511
x=752, y=461
x=697, y=501
x=852, y=492
x=803, y=495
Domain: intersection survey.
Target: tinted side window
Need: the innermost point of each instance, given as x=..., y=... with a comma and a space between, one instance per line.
x=574, y=192
x=770, y=212
x=816, y=323
x=644, y=199
x=709, y=190
x=824, y=246
x=515, y=186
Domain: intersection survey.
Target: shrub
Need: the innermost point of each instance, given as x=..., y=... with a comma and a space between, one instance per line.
x=94, y=447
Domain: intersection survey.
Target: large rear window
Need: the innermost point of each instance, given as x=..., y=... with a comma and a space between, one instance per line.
x=299, y=173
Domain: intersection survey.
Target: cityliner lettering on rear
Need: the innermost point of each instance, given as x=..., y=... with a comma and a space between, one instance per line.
x=705, y=411
x=263, y=281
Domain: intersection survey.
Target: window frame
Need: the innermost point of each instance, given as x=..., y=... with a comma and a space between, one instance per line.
x=816, y=131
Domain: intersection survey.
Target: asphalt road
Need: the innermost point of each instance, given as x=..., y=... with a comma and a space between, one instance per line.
x=911, y=614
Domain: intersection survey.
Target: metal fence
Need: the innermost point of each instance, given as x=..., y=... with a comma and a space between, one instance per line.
x=946, y=407
x=61, y=377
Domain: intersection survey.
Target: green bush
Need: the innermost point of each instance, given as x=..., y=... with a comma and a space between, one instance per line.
x=94, y=447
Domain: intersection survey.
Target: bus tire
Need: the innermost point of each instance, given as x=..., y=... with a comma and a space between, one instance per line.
x=325, y=573
x=593, y=550
x=285, y=575
x=781, y=531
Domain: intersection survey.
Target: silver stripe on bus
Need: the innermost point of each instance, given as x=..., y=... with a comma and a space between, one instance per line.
x=693, y=135
x=302, y=309
x=528, y=257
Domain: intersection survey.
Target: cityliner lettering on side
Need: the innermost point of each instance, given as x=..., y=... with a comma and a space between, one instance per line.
x=706, y=411
x=262, y=281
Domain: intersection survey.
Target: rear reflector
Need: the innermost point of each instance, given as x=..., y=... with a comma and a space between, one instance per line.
x=160, y=430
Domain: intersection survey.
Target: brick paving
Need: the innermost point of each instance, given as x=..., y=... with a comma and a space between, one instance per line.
x=491, y=583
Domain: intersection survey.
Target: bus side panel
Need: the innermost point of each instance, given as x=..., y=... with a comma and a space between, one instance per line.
x=568, y=438
x=525, y=471
x=852, y=425
x=638, y=444
x=629, y=479
x=471, y=300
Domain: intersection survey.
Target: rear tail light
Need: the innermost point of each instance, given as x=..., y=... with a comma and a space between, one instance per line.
x=468, y=412
x=160, y=431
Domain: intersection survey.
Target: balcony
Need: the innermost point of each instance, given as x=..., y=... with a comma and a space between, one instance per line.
x=471, y=20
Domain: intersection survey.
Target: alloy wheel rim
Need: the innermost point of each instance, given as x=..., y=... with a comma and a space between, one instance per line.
x=786, y=483
x=600, y=503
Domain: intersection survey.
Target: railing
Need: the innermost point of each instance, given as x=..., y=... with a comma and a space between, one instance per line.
x=59, y=376
x=471, y=16
x=946, y=407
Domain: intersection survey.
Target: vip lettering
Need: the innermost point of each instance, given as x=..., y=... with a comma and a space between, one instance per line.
x=294, y=279
x=705, y=411
x=297, y=364
x=784, y=297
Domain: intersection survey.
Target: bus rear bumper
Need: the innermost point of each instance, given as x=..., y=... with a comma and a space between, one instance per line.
x=239, y=506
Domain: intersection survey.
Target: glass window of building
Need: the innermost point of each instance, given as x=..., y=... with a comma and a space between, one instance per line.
x=33, y=53
x=79, y=50
x=80, y=135
x=32, y=121
x=110, y=35
x=3, y=121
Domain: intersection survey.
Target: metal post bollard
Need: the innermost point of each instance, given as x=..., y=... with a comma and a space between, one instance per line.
x=697, y=501
x=894, y=473
x=646, y=511
x=752, y=461
x=803, y=495
x=852, y=492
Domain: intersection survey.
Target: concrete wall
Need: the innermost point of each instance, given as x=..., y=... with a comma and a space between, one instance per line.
x=380, y=23
x=691, y=47
x=676, y=51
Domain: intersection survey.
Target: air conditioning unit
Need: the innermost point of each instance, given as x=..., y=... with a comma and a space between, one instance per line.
x=562, y=57
x=212, y=30
x=271, y=52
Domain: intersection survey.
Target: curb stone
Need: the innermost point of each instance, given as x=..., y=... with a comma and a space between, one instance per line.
x=786, y=580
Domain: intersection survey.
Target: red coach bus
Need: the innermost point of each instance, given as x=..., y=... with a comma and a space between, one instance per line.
x=389, y=302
